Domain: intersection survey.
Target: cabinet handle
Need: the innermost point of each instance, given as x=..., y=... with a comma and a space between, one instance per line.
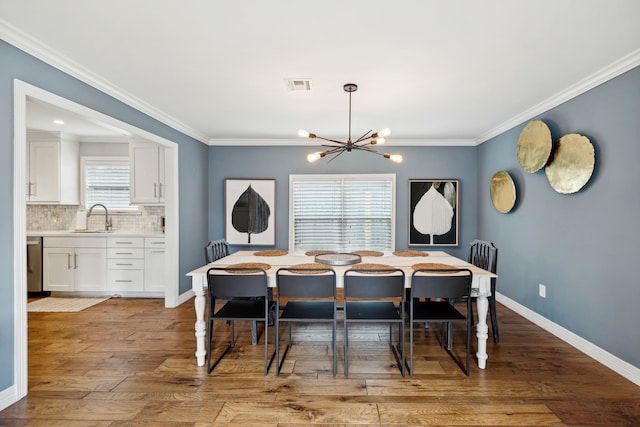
x=155, y=189
x=124, y=243
x=123, y=264
x=124, y=281
x=75, y=261
x=68, y=261
x=156, y=252
x=124, y=253
x=160, y=185
x=29, y=188
x=157, y=243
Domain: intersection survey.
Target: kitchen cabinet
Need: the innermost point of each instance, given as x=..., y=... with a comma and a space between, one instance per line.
x=147, y=173
x=74, y=264
x=154, y=262
x=53, y=170
x=125, y=261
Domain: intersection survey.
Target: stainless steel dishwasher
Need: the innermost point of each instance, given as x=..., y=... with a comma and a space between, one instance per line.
x=34, y=267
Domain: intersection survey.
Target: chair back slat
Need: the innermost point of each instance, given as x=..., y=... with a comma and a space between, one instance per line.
x=306, y=283
x=437, y=284
x=237, y=282
x=374, y=284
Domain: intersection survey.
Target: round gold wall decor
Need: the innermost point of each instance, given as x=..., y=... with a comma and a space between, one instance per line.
x=503, y=191
x=534, y=146
x=572, y=165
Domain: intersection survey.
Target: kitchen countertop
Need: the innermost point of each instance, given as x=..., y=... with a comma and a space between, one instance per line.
x=72, y=233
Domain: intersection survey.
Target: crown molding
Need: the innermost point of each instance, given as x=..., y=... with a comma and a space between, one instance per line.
x=617, y=68
x=219, y=142
x=34, y=47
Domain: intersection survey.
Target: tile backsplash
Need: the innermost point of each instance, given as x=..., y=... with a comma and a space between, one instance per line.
x=63, y=218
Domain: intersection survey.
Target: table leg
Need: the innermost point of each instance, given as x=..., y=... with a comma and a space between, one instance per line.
x=482, y=330
x=201, y=330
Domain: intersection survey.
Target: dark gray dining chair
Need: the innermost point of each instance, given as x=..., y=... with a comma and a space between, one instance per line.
x=431, y=290
x=375, y=296
x=305, y=295
x=246, y=293
x=218, y=249
x=484, y=254
x=215, y=249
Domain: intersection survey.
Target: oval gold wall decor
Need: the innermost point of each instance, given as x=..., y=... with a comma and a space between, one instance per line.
x=534, y=146
x=503, y=191
x=572, y=165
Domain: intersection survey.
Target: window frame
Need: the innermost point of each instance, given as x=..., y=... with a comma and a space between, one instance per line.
x=342, y=177
x=104, y=160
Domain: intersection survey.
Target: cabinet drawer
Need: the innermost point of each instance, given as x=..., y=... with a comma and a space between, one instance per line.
x=125, y=264
x=125, y=280
x=125, y=242
x=74, y=242
x=154, y=242
x=125, y=253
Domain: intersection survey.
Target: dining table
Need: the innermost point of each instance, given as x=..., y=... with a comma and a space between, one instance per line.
x=406, y=260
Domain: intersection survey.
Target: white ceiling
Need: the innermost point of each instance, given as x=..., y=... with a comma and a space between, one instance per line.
x=431, y=70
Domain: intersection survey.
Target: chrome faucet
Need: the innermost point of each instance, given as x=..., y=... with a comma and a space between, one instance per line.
x=107, y=220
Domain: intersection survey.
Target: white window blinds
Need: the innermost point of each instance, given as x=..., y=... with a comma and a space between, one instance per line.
x=342, y=212
x=106, y=181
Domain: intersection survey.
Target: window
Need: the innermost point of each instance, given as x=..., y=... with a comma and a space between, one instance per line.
x=105, y=180
x=342, y=212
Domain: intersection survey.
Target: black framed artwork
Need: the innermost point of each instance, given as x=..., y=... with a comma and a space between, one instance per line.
x=249, y=206
x=434, y=212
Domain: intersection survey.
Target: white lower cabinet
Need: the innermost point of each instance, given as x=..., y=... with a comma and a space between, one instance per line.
x=154, y=263
x=130, y=266
x=74, y=264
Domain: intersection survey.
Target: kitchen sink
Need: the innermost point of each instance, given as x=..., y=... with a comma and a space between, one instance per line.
x=91, y=231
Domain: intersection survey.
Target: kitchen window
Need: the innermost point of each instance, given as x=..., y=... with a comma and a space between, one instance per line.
x=105, y=180
x=342, y=212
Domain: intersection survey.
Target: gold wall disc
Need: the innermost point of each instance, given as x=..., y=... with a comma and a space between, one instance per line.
x=572, y=165
x=503, y=191
x=534, y=146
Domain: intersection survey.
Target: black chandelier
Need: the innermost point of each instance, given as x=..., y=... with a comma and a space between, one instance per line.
x=363, y=143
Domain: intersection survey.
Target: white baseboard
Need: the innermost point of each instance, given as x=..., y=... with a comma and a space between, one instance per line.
x=184, y=297
x=8, y=397
x=614, y=363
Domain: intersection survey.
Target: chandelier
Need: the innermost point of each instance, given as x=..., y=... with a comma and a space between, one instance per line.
x=363, y=143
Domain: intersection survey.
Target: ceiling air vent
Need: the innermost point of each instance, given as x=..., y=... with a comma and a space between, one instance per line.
x=296, y=85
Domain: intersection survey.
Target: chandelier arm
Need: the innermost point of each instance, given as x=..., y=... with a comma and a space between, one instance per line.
x=334, y=157
x=331, y=140
x=368, y=149
x=363, y=137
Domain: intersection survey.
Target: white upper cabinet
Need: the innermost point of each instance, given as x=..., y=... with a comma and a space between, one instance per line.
x=147, y=173
x=53, y=168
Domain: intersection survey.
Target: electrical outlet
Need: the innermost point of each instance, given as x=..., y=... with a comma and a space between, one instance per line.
x=542, y=290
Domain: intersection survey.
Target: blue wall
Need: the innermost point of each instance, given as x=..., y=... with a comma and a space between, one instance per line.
x=192, y=175
x=584, y=246
x=279, y=162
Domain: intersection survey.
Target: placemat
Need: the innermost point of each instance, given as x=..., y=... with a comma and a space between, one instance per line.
x=368, y=253
x=409, y=252
x=318, y=268
x=256, y=265
x=318, y=252
x=433, y=266
x=271, y=252
x=371, y=266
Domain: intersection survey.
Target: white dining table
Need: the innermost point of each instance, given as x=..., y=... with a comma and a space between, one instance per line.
x=481, y=286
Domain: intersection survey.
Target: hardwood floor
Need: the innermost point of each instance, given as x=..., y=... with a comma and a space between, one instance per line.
x=130, y=362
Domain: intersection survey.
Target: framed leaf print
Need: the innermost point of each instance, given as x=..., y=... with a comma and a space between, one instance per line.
x=433, y=212
x=249, y=206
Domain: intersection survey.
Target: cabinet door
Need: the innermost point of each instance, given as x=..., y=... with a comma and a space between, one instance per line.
x=44, y=172
x=91, y=269
x=144, y=173
x=154, y=275
x=58, y=269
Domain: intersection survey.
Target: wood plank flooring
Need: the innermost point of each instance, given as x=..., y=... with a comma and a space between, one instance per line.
x=130, y=362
